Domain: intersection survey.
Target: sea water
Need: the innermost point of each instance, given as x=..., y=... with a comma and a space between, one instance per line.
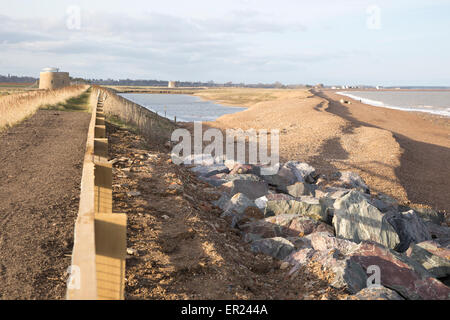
x=186, y=108
x=435, y=102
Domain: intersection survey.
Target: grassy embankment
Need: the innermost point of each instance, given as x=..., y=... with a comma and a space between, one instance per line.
x=17, y=107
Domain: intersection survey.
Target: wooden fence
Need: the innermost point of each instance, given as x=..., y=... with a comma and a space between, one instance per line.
x=98, y=258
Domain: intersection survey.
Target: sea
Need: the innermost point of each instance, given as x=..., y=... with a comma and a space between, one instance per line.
x=434, y=102
x=186, y=108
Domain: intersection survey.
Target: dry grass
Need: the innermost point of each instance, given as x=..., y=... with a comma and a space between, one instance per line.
x=16, y=107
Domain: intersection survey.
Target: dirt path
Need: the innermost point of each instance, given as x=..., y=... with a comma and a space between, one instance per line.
x=40, y=172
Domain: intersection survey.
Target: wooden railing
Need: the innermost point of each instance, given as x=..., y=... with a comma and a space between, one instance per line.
x=98, y=258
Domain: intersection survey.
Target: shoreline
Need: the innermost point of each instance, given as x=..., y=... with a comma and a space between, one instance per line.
x=400, y=153
x=381, y=104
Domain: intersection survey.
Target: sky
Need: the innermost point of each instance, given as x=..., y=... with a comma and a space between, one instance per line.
x=346, y=42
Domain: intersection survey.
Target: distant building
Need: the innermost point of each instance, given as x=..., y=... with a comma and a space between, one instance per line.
x=172, y=84
x=52, y=78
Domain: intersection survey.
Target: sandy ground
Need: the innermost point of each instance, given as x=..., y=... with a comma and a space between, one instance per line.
x=41, y=161
x=403, y=154
x=179, y=248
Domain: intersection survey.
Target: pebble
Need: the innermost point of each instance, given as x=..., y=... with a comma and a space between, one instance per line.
x=284, y=265
x=131, y=252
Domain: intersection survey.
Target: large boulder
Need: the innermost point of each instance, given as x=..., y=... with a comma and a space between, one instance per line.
x=410, y=228
x=283, y=178
x=238, y=203
x=302, y=171
x=376, y=293
x=261, y=202
x=222, y=201
x=351, y=180
x=245, y=169
x=290, y=173
x=207, y=171
x=432, y=256
x=305, y=206
x=400, y=273
x=332, y=254
x=357, y=220
x=331, y=192
x=277, y=247
x=246, y=177
x=252, y=189
x=438, y=231
x=214, y=180
x=285, y=225
x=237, y=208
x=430, y=215
x=300, y=189
x=384, y=203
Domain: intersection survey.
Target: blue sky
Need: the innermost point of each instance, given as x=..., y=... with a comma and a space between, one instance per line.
x=323, y=41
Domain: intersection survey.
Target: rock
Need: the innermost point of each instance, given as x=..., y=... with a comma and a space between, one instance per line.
x=302, y=171
x=236, y=210
x=290, y=173
x=284, y=265
x=133, y=193
x=437, y=231
x=400, y=273
x=278, y=248
x=245, y=169
x=262, y=201
x=300, y=189
x=250, y=237
x=223, y=201
x=357, y=220
x=432, y=256
x=376, y=293
x=384, y=203
x=252, y=189
x=409, y=227
x=430, y=215
x=246, y=177
x=285, y=225
x=213, y=181
x=131, y=252
x=305, y=206
x=207, y=171
x=332, y=193
x=283, y=178
x=332, y=254
x=238, y=203
x=351, y=180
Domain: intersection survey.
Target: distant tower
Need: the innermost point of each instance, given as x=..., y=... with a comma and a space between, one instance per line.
x=51, y=78
x=172, y=84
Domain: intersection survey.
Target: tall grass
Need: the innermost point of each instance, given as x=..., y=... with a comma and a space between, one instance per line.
x=15, y=108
